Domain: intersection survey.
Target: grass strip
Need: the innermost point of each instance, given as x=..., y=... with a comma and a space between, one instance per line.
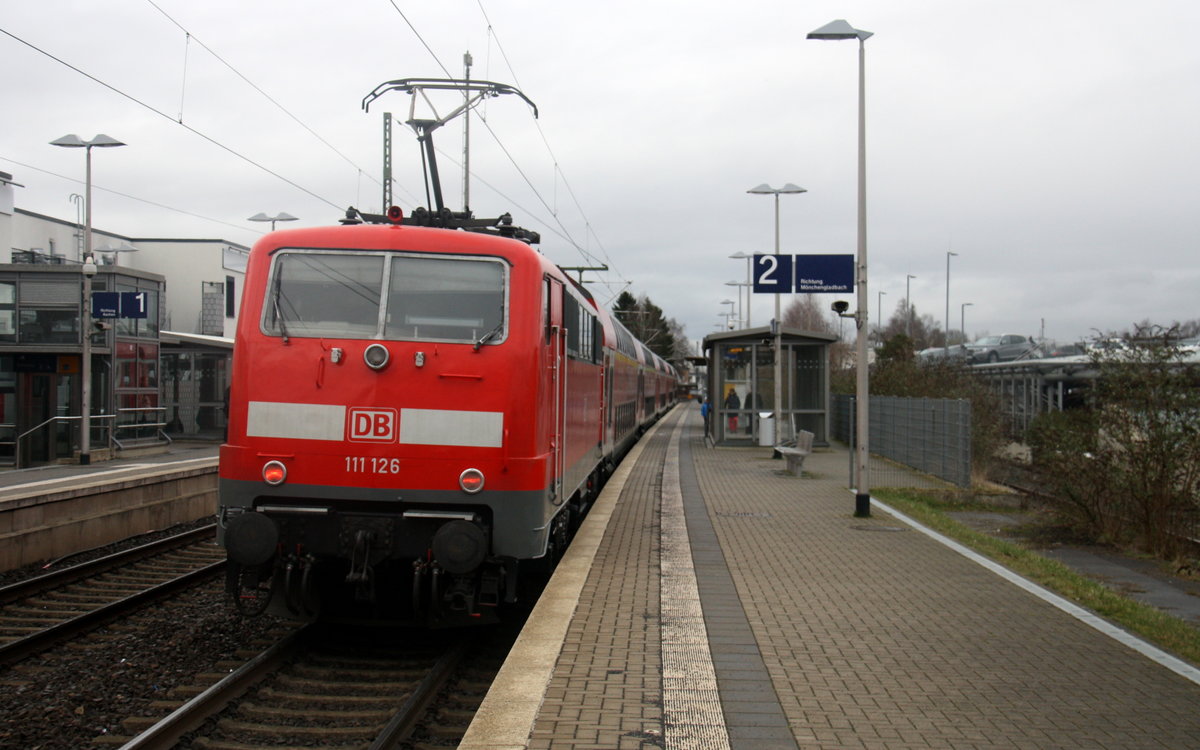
x=1165, y=631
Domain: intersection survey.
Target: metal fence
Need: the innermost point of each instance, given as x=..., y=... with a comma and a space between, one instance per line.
x=931, y=435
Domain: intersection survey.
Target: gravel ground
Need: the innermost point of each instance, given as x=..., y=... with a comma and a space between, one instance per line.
x=69, y=696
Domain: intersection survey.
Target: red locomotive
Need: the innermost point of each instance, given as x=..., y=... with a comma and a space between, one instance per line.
x=416, y=415
x=422, y=410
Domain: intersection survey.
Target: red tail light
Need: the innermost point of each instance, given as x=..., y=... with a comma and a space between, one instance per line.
x=471, y=481
x=274, y=473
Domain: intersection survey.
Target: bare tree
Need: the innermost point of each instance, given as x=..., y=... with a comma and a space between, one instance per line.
x=926, y=332
x=808, y=314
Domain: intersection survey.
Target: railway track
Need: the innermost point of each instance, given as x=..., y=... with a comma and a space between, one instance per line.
x=311, y=689
x=317, y=687
x=40, y=612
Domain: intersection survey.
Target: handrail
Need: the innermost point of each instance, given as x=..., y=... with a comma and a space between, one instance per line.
x=158, y=426
x=30, y=431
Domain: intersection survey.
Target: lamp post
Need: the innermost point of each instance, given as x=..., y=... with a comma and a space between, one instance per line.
x=946, y=342
x=962, y=319
x=739, y=284
x=839, y=30
x=115, y=252
x=728, y=314
x=879, y=313
x=777, y=325
x=908, y=306
x=88, y=270
x=749, y=287
x=281, y=216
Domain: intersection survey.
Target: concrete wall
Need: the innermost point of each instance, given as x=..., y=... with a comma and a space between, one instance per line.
x=187, y=265
x=92, y=514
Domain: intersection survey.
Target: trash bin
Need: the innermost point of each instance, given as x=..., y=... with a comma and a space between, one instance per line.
x=766, y=428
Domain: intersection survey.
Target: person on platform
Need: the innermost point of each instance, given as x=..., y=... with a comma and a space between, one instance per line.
x=733, y=404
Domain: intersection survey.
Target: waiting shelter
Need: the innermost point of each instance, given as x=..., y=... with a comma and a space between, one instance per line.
x=741, y=385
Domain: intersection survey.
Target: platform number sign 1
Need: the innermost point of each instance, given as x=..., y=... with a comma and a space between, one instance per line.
x=119, y=305
x=133, y=305
x=773, y=274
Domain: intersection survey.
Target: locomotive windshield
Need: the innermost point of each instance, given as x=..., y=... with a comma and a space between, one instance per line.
x=386, y=295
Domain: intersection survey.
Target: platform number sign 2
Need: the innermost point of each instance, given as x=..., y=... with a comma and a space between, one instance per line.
x=773, y=274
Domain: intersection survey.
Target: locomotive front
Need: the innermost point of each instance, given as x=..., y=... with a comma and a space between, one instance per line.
x=383, y=455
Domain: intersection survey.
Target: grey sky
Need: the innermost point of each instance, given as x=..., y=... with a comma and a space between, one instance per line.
x=1052, y=145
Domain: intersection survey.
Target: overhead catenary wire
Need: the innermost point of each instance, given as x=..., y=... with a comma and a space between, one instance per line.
x=164, y=115
x=193, y=38
x=179, y=120
x=564, y=233
x=421, y=39
x=516, y=204
x=148, y=202
x=542, y=134
x=559, y=173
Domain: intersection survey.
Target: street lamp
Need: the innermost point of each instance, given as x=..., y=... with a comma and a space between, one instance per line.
x=749, y=287
x=946, y=342
x=839, y=30
x=728, y=314
x=908, y=306
x=107, y=249
x=879, y=313
x=962, y=319
x=281, y=216
x=739, y=284
x=765, y=189
x=88, y=270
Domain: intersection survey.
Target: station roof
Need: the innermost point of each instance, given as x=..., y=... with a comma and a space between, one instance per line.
x=761, y=332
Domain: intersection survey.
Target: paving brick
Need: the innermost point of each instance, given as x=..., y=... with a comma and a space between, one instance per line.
x=868, y=634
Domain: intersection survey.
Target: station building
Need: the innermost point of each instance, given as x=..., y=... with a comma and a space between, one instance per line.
x=153, y=379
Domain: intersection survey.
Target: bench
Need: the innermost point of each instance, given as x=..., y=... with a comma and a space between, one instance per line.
x=795, y=454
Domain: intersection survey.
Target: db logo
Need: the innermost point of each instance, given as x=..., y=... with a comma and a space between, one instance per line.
x=371, y=425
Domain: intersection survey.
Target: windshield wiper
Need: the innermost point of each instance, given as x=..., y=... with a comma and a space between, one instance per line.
x=278, y=312
x=489, y=335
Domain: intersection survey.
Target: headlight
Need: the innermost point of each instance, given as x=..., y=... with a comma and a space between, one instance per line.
x=376, y=356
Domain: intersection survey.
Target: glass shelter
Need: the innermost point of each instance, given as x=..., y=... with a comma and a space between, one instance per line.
x=741, y=385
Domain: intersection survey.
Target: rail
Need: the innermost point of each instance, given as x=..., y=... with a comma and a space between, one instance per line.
x=192, y=714
x=158, y=426
x=17, y=443
x=112, y=439
x=82, y=622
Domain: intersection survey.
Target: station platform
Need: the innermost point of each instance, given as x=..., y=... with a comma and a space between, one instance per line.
x=710, y=600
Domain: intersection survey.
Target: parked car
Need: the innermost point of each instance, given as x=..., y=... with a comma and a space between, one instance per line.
x=1002, y=348
x=1111, y=344
x=956, y=353
x=1068, y=350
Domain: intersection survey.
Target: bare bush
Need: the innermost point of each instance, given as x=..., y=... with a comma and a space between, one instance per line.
x=1126, y=468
